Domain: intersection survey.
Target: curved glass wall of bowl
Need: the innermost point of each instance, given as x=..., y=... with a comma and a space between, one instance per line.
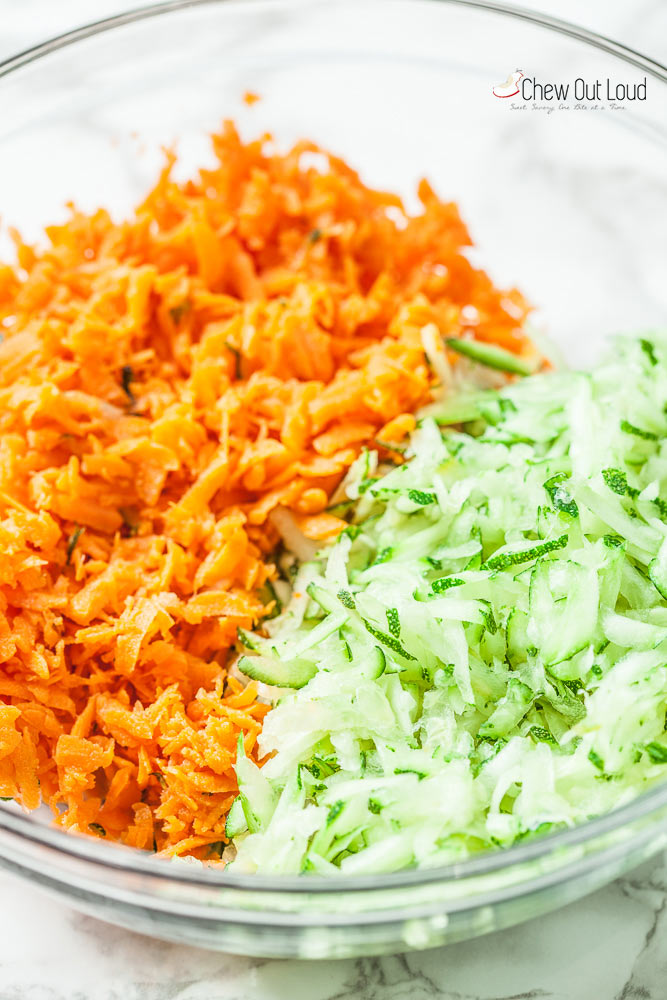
x=320, y=918
x=565, y=197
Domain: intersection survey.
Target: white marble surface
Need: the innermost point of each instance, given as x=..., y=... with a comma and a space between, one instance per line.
x=611, y=946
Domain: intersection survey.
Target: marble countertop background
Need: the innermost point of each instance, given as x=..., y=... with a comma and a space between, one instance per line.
x=610, y=946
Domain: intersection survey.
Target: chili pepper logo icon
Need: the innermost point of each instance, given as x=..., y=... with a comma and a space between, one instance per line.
x=510, y=87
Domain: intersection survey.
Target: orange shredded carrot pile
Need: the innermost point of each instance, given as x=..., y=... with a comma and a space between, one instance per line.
x=165, y=382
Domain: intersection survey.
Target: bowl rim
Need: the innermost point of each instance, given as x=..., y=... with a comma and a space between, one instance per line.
x=559, y=25
x=122, y=858
x=118, y=857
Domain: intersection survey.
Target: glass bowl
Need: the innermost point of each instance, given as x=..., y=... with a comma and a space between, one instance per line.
x=566, y=198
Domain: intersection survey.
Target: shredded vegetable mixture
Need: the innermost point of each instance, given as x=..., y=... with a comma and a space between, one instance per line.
x=482, y=655
x=166, y=383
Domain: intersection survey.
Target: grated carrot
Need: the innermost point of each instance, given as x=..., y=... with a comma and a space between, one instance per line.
x=165, y=383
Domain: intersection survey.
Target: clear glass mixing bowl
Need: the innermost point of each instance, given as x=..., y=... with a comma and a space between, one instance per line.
x=568, y=202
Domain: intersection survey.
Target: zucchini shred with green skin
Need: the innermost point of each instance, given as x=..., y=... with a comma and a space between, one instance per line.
x=501, y=670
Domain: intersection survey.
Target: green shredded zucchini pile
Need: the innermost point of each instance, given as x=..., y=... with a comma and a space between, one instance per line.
x=482, y=655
